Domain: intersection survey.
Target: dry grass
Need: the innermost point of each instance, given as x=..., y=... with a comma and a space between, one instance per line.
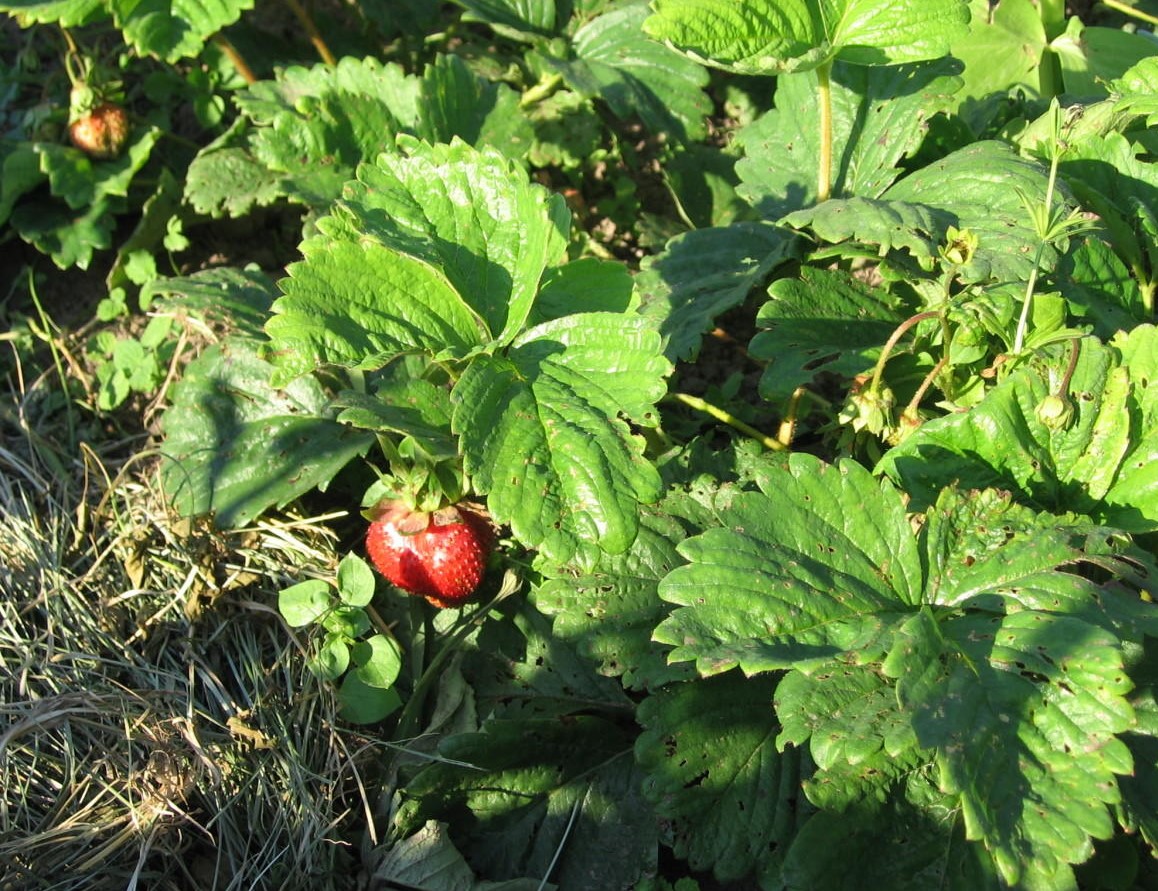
x=158, y=729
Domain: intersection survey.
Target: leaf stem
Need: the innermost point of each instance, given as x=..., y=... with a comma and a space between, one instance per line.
x=824, y=165
x=235, y=57
x=1130, y=10
x=728, y=418
x=312, y=31
x=891, y=344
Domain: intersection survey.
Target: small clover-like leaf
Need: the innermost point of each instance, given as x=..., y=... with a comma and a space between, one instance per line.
x=355, y=581
x=305, y=603
x=379, y=660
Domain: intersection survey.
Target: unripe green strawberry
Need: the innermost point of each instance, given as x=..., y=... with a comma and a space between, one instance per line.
x=440, y=556
x=102, y=132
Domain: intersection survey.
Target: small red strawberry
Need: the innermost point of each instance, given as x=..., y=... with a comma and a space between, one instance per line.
x=439, y=555
x=102, y=132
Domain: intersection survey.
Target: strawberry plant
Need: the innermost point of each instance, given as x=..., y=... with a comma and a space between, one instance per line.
x=812, y=509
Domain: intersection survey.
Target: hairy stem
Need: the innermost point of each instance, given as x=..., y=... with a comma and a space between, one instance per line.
x=312, y=31
x=728, y=418
x=235, y=57
x=894, y=338
x=1130, y=10
x=824, y=165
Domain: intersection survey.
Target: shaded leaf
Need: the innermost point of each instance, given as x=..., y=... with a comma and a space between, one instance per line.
x=235, y=446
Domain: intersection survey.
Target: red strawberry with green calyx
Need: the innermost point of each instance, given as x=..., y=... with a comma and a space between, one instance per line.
x=439, y=555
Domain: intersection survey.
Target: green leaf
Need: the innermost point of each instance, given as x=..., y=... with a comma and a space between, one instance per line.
x=174, y=29
x=355, y=581
x=379, y=660
x=1105, y=463
x=69, y=237
x=1002, y=52
x=543, y=434
x=585, y=285
x=824, y=321
x=1136, y=90
x=348, y=622
x=304, y=603
x=538, y=674
x=469, y=214
x=511, y=807
x=81, y=181
x=900, y=846
x=66, y=13
x=879, y=117
x=860, y=740
x=454, y=101
x=235, y=446
x=609, y=611
x=615, y=60
x=19, y=174
x=428, y=859
x=1023, y=710
x=1108, y=175
x=522, y=19
x=362, y=704
x=412, y=407
x=777, y=36
x=978, y=188
x=225, y=298
x=229, y=181
x=816, y=568
x=332, y=658
x=360, y=304
x=1099, y=287
x=714, y=775
x=702, y=274
x=1091, y=56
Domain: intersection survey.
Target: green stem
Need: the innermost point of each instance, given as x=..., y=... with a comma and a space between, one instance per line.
x=1130, y=10
x=824, y=168
x=728, y=418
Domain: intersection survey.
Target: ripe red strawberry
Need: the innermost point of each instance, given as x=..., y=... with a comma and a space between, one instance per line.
x=102, y=132
x=440, y=555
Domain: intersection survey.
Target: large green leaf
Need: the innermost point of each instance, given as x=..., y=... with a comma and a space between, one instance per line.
x=961, y=642
x=544, y=435
x=471, y=214
x=824, y=321
x=725, y=794
x=879, y=117
x=523, y=791
x=174, y=29
x=235, y=446
x=702, y=274
x=979, y=188
x=1023, y=710
x=817, y=571
x=361, y=304
x=66, y=13
x=439, y=250
x=775, y=36
x=609, y=611
x=615, y=60
x=1002, y=52
x=902, y=846
x=1105, y=463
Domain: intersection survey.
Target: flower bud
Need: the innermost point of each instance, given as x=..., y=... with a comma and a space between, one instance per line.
x=1055, y=411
